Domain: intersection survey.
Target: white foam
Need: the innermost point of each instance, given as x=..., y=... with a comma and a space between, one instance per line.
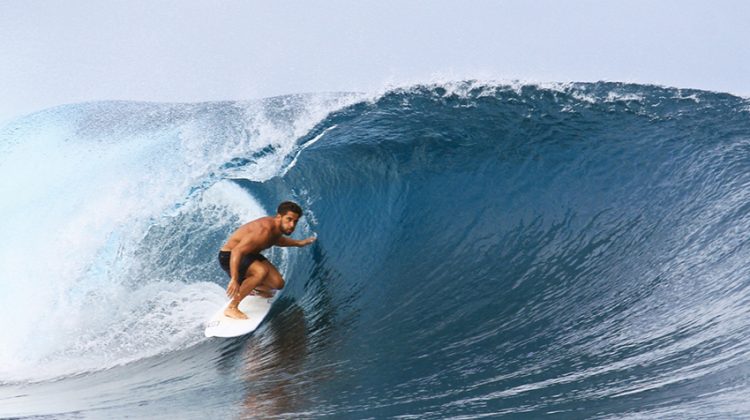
x=237, y=201
x=478, y=88
x=114, y=326
x=92, y=216
x=613, y=96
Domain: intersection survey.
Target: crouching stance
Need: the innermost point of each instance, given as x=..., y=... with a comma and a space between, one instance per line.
x=249, y=271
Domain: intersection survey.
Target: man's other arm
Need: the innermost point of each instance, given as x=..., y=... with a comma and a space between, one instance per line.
x=286, y=242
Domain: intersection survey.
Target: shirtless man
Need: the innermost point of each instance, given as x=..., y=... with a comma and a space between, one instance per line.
x=249, y=270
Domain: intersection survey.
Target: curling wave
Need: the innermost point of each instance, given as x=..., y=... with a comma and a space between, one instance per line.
x=483, y=249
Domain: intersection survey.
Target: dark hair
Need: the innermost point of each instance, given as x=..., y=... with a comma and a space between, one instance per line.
x=287, y=206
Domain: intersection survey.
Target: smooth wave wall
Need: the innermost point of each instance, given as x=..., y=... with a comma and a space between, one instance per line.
x=508, y=249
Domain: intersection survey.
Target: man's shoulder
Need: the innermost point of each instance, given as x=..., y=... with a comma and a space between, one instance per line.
x=259, y=225
x=259, y=221
x=265, y=222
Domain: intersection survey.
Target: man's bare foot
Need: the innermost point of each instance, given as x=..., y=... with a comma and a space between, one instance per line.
x=234, y=312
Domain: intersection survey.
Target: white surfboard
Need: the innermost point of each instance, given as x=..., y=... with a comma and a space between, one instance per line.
x=255, y=307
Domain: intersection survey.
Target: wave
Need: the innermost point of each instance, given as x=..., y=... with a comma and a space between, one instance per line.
x=99, y=263
x=483, y=249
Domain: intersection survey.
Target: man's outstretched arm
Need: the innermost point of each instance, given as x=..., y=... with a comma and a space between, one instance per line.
x=284, y=241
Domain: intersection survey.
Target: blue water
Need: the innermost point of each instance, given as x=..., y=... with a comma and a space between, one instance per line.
x=484, y=250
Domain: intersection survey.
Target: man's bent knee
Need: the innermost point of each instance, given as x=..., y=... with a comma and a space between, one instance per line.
x=272, y=276
x=259, y=272
x=274, y=281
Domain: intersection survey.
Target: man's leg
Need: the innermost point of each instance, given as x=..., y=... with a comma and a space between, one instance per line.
x=255, y=275
x=273, y=278
x=272, y=281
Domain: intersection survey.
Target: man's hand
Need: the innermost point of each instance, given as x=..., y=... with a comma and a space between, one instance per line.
x=308, y=241
x=232, y=289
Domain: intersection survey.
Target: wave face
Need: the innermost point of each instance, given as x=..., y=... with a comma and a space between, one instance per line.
x=484, y=250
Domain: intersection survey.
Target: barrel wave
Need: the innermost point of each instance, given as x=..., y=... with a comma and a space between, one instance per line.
x=484, y=250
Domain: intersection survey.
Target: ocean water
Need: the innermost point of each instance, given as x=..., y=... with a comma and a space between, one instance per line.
x=484, y=250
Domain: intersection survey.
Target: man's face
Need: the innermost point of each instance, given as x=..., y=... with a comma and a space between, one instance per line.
x=289, y=222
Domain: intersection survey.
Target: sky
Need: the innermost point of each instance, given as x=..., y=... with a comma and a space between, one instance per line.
x=61, y=52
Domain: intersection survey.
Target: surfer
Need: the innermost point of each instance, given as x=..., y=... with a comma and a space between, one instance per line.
x=249, y=271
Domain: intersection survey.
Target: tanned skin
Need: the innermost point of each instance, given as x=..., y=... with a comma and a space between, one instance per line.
x=262, y=276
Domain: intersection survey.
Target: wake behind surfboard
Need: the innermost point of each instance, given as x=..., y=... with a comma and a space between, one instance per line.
x=255, y=307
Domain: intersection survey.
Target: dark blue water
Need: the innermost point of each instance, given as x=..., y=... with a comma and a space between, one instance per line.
x=576, y=251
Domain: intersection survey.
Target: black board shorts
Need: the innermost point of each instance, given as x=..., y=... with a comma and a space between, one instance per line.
x=244, y=263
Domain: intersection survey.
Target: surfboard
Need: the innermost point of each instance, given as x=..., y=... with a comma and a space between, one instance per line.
x=255, y=307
